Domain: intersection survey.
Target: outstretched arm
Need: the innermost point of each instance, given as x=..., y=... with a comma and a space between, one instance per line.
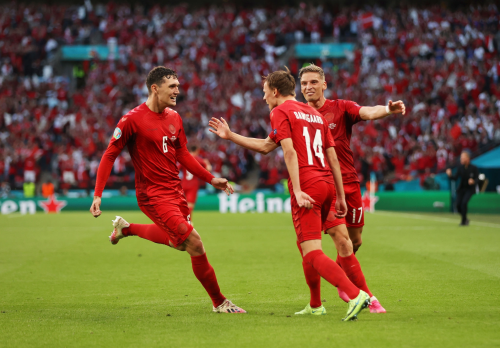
x=195, y=168
x=221, y=128
x=368, y=113
x=340, y=204
x=292, y=164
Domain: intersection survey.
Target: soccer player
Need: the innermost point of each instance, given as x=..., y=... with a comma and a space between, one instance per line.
x=189, y=183
x=155, y=138
x=341, y=115
x=309, y=154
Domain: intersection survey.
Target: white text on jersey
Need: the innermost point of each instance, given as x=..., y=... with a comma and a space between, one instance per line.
x=308, y=118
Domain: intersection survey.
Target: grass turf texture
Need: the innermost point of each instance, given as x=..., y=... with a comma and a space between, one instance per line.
x=63, y=284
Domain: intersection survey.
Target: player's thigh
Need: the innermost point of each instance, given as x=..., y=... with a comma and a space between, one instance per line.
x=308, y=223
x=355, y=234
x=355, y=212
x=172, y=216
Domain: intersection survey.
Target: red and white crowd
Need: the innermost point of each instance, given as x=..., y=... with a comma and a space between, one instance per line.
x=55, y=121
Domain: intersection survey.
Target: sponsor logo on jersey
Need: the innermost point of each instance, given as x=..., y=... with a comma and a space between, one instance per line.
x=171, y=128
x=275, y=131
x=173, y=138
x=308, y=118
x=124, y=118
x=332, y=125
x=117, y=133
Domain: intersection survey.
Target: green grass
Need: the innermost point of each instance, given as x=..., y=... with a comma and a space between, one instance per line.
x=63, y=284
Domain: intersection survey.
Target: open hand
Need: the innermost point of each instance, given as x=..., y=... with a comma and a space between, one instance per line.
x=304, y=200
x=396, y=107
x=448, y=172
x=95, y=208
x=220, y=127
x=222, y=184
x=471, y=181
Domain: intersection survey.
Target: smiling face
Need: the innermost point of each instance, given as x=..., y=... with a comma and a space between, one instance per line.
x=312, y=86
x=167, y=91
x=270, y=96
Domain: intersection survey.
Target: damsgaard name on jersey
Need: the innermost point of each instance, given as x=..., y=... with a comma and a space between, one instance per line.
x=308, y=118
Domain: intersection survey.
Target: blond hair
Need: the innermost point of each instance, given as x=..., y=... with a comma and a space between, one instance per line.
x=313, y=69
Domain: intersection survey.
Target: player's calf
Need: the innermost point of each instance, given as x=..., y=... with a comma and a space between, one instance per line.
x=119, y=224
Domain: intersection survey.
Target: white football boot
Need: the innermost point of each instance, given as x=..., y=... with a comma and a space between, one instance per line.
x=119, y=223
x=228, y=307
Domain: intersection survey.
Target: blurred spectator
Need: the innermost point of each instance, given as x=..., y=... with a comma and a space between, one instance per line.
x=47, y=189
x=444, y=64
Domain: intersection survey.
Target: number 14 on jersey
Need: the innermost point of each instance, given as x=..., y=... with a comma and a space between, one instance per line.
x=317, y=146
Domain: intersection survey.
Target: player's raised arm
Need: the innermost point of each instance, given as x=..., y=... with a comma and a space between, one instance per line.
x=368, y=113
x=221, y=128
x=194, y=167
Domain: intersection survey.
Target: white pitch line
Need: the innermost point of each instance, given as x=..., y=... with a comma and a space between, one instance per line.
x=419, y=217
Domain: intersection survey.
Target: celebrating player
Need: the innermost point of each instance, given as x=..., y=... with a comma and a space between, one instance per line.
x=305, y=139
x=341, y=115
x=156, y=140
x=191, y=184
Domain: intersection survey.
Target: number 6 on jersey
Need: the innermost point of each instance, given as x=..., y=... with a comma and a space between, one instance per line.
x=317, y=146
x=165, y=144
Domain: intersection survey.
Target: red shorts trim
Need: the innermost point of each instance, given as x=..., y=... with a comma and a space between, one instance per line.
x=170, y=214
x=308, y=222
x=191, y=195
x=355, y=213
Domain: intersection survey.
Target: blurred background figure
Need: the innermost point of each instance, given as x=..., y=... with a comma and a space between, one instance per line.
x=468, y=175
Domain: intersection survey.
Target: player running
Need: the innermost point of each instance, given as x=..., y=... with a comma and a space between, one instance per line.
x=156, y=140
x=190, y=184
x=341, y=115
x=305, y=139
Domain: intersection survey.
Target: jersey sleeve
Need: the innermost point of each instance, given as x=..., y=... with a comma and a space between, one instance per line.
x=123, y=133
x=281, y=127
x=351, y=110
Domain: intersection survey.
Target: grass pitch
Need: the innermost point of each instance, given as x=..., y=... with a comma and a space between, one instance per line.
x=63, y=284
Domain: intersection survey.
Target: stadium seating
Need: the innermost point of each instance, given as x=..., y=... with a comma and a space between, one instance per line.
x=445, y=65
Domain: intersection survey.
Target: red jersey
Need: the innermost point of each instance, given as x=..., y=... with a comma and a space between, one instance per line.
x=310, y=136
x=189, y=181
x=341, y=115
x=155, y=141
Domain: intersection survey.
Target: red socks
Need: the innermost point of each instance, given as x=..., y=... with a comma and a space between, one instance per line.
x=329, y=270
x=352, y=269
x=150, y=232
x=205, y=273
x=313, y=280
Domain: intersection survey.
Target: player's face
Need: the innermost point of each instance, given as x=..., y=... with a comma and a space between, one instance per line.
x=168, y=91
x=312, y=86
x=270, y=96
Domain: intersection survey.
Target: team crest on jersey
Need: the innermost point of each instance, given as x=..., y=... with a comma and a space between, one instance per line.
x=332, y=125
x=173, y=138
x=117, y=133
x=171, y=128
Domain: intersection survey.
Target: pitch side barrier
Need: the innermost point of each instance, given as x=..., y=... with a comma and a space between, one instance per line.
x=427, y=201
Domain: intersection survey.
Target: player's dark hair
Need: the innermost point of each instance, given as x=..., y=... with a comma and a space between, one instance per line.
x=156, y=75
x=193, y=148
x=283, y=81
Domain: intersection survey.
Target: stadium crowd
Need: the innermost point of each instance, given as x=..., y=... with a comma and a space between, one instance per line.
x=445, y=66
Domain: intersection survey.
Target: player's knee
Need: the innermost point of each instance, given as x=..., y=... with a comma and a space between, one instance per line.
x=356, y=245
